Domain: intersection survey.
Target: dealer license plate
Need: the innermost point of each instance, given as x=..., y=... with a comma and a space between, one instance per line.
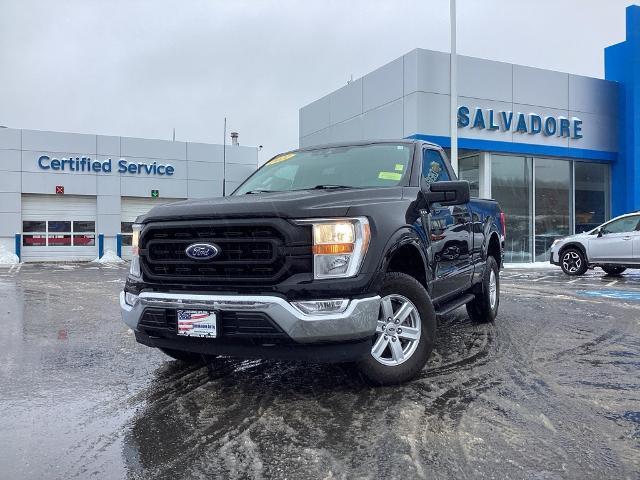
x=197, y=323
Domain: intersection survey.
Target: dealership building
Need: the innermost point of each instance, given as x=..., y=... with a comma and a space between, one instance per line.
x=560, y=152
x=72, y=196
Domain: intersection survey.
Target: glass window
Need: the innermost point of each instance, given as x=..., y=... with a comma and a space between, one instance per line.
x=469, y=168
x=34, y=240
x=433, y=168
x=591, y=196
x=84, y=226
x=34, y=226
x=127, y=240
x=381, y=165
x=622, y=225
x=126, y=227
x=59, y=240
x=59, y=226
x=511, y=186
x=84, y=240
x=553, y=200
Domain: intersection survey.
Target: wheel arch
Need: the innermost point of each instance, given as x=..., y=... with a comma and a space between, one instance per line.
x=405, y=253
x=494, y=249
x=576, y=245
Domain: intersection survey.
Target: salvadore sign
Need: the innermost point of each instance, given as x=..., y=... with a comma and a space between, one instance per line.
x=87, y=165
x=531, y=123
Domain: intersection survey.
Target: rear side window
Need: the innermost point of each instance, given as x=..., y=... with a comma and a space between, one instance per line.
x=434, y=168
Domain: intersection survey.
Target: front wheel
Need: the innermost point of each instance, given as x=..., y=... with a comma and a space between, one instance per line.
x=611, y=270
x=405, y=333
x=573, y=262
x=484, y=307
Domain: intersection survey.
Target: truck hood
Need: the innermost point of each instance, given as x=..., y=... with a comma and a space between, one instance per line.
x=293, y=204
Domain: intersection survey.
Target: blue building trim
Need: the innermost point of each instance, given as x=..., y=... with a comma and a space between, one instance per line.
x=521, y=148
x=18, y=246
x=622, y=65
x=100, y=245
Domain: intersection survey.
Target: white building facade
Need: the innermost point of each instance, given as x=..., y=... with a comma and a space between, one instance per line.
x=72, y=196
x=545, y=144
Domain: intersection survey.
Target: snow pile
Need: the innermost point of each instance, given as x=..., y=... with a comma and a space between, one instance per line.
x=7, y=257
x=109, y=257
x=530, y=266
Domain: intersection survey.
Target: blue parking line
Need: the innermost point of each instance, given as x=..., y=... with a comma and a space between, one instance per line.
x=617, y=294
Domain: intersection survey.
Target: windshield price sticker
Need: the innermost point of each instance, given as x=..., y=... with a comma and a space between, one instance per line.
x=281, y=158
x=389, y=176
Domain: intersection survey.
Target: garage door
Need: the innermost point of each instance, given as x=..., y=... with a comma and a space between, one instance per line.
x=58, y=228
x=132, y=208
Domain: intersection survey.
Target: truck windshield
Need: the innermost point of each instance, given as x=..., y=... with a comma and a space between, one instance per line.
x=379, y=165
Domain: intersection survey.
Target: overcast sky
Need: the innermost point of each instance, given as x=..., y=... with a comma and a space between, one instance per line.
x=141, y=68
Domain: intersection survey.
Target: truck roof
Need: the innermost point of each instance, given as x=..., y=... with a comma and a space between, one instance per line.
x=408, y=141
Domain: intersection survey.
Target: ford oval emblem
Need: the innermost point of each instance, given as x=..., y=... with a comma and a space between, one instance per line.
x=202, y=251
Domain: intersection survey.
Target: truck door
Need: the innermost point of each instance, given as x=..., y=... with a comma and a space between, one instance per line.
x=449, y=234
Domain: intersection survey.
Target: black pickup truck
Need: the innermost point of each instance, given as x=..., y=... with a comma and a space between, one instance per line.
x=338, y=253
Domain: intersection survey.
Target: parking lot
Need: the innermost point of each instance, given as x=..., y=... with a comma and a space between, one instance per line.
x=550, y=390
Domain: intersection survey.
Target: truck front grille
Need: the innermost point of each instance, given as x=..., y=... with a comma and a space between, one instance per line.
x=250, y=252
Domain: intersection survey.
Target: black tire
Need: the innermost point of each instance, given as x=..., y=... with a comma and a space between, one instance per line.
x=612, y=270
x=189, y=358
x=401, y=285
x=480, y=309
x=573, y=262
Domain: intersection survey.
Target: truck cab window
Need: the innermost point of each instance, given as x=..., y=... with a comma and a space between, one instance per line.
x=433, y=168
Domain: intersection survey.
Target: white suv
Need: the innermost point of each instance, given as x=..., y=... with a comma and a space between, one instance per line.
x=614, y=246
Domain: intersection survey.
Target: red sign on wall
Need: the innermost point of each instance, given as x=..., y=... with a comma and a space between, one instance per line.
x=60, y=189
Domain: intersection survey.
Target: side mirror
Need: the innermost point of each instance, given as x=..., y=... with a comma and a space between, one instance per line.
x=447, y=193
x=601, y=232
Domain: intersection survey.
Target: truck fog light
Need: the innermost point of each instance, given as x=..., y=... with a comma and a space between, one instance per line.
x=321, y=307
x=332, y=265
x=130, y=299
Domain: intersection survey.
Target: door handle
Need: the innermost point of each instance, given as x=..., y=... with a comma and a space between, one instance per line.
x=626, y=238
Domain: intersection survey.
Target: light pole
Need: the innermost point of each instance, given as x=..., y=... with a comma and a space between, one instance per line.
x=453, y=84
x=224, y=158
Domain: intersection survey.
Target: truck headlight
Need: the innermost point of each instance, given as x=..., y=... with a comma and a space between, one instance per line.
x=134, y=270
x=339, y=246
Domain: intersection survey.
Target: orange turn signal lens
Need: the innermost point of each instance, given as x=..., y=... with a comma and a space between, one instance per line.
x=332, y=248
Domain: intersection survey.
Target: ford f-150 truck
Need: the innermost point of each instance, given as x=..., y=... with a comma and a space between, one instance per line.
x=338, y=253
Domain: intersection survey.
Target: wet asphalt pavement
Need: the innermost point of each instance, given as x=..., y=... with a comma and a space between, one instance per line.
x=551, y=390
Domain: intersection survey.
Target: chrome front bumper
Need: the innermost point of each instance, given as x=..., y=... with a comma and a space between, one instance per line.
x=358, y=321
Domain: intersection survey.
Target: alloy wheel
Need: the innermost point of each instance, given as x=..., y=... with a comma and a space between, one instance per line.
x=571, y=262
x=398, y=330
x=493, y=290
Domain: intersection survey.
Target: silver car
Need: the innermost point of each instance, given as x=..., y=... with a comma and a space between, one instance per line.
x=614, y=246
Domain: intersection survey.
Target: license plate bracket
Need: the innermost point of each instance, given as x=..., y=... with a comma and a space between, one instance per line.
x=197, y=323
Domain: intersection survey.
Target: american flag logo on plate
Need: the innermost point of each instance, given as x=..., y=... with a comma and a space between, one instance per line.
x=197, y=323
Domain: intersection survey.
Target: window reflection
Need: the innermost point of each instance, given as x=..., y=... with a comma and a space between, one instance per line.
x=592, y=202
x=470, y=171
x=511, y=183
x=553, y=197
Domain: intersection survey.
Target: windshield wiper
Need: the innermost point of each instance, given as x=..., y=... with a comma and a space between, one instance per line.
x=329, y=187
x=253, y=192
